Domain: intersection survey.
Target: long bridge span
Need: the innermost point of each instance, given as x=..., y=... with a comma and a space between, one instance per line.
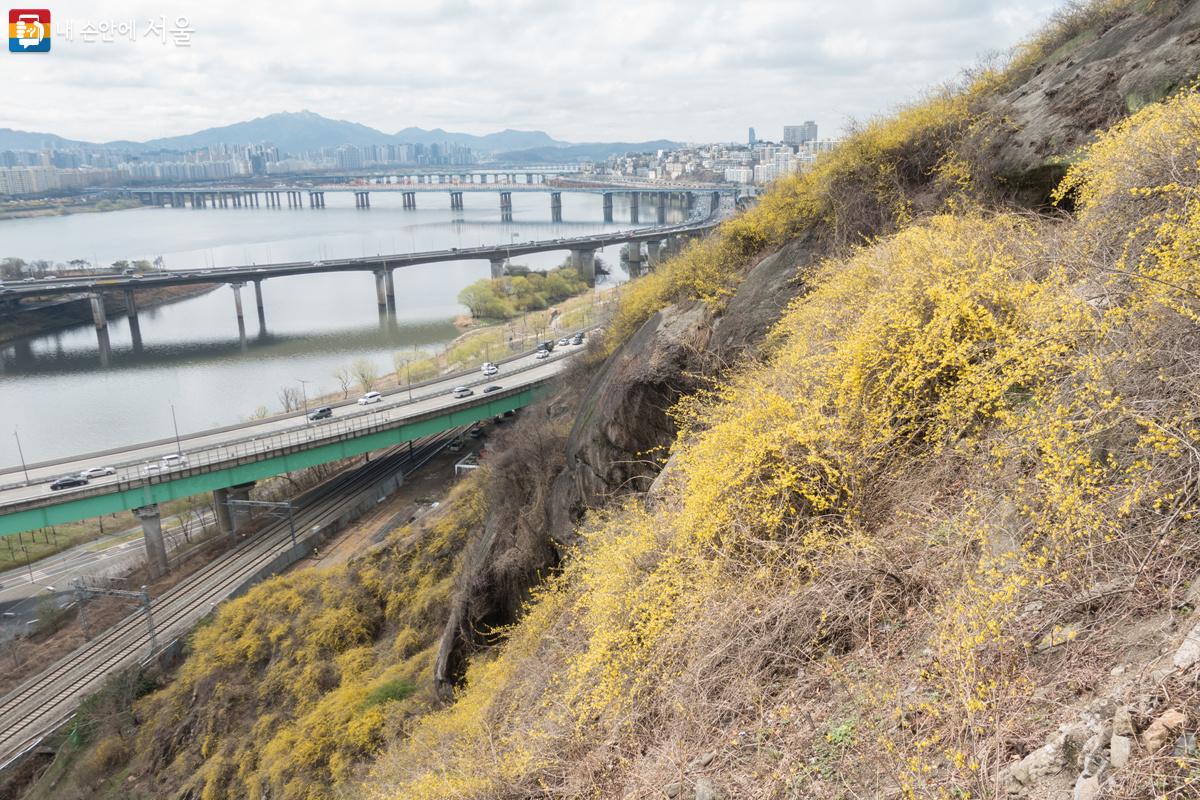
x=659, y=242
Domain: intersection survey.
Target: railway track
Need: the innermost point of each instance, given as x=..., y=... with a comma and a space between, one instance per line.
x=46, y=701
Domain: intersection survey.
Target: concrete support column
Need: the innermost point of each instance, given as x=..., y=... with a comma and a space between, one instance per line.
x=556, y=206
x=135, y=328
x=241, y=317
x=633, y=207
x=497, y=267
x=389, y=287
x=240, y=515
x=653, y=256
x=584, y=262
x=661, y=209
x=633, y=257
x=156, y=550
x=258, y=301
x=381, y=287
x=506, y=206
x=221, y=507
x=608, y=207
x=100, y=318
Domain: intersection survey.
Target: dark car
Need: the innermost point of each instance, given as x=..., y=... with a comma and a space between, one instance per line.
x=69, y=482
x=324, y=412
x=475, y=433
x=495, y=387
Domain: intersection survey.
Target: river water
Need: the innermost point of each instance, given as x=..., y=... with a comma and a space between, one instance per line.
x=62, y=401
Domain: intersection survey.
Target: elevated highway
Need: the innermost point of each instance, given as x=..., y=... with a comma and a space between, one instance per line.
x=227, y=461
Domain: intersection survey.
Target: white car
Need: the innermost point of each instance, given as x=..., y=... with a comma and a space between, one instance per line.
x=174, y=461
x=98, y=472
x=490, y=369
x=370, y=397
x=152, y=469
x=463, y=391
x=542, y=354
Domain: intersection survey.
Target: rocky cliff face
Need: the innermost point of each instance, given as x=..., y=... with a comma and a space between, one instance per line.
x=1103, y=73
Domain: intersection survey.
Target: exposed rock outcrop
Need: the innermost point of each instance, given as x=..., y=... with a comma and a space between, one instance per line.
x=1088, y=83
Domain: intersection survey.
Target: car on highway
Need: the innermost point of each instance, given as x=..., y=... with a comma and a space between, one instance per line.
x=475, y=433
x=577, y=339
x=369, y=398
x=324, y=412
x=563, y=342
x=98, y=472
x=318, y=264
x=68, y=482
x=495, y=387
x=489, y=368
x=462, y=391
x=540, y=354
x=173, y=460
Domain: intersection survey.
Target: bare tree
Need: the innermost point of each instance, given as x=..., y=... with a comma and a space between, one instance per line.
x=365, y=373
x=289, y=398
x=344, y=377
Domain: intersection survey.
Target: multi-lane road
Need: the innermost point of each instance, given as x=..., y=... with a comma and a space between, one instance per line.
x=219, y=445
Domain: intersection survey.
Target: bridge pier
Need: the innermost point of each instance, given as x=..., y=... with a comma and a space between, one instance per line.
x=529, y=178
x=506, y=206
x=653, y=254
x=258, y=301
x=410, y=200
x=221, y=508
x=100, y=318
x=608, y=207
x=584, y=262
x=661, y=208
x=556, y=206
x=362, y=199
x=456, y=201
x=239, y=515
x=633, y=257
x=237, y=304
x=135, y=327
x=497, y=267
x=156, y=551
x=385, y=291
x=633, y=207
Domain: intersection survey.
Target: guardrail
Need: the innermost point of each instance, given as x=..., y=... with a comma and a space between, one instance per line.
x=303, y=436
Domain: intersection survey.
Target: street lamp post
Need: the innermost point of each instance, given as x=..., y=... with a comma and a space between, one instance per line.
x=304, y=395
x=21, y=453
x=175, y=425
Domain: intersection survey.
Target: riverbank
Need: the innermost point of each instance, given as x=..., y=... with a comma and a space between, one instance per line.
x=486, y=341
x=59, y=207
x=71, y=313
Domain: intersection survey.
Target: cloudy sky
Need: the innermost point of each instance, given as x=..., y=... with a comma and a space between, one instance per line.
x=606, y=70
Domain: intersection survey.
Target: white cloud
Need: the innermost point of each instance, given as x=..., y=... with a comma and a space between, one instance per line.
x=584, y=71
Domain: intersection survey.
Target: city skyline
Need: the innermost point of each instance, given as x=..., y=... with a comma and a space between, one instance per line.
x=710, y=70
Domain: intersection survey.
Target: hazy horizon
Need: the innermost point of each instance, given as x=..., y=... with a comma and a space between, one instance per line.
x=579, y=72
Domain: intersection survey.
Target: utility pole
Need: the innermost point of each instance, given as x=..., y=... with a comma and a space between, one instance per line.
x=304, y=394
x=21, y=453
x=178, y=446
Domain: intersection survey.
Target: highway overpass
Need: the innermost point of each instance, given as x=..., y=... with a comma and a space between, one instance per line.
x=227, y=461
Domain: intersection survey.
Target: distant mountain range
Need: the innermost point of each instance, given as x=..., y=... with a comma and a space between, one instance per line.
x=297, y=132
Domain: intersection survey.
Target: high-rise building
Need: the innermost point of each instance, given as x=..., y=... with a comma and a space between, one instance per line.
x=799, y=134
x=753, y=138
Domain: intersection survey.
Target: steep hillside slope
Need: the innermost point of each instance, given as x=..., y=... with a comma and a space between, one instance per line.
x=954, y=507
